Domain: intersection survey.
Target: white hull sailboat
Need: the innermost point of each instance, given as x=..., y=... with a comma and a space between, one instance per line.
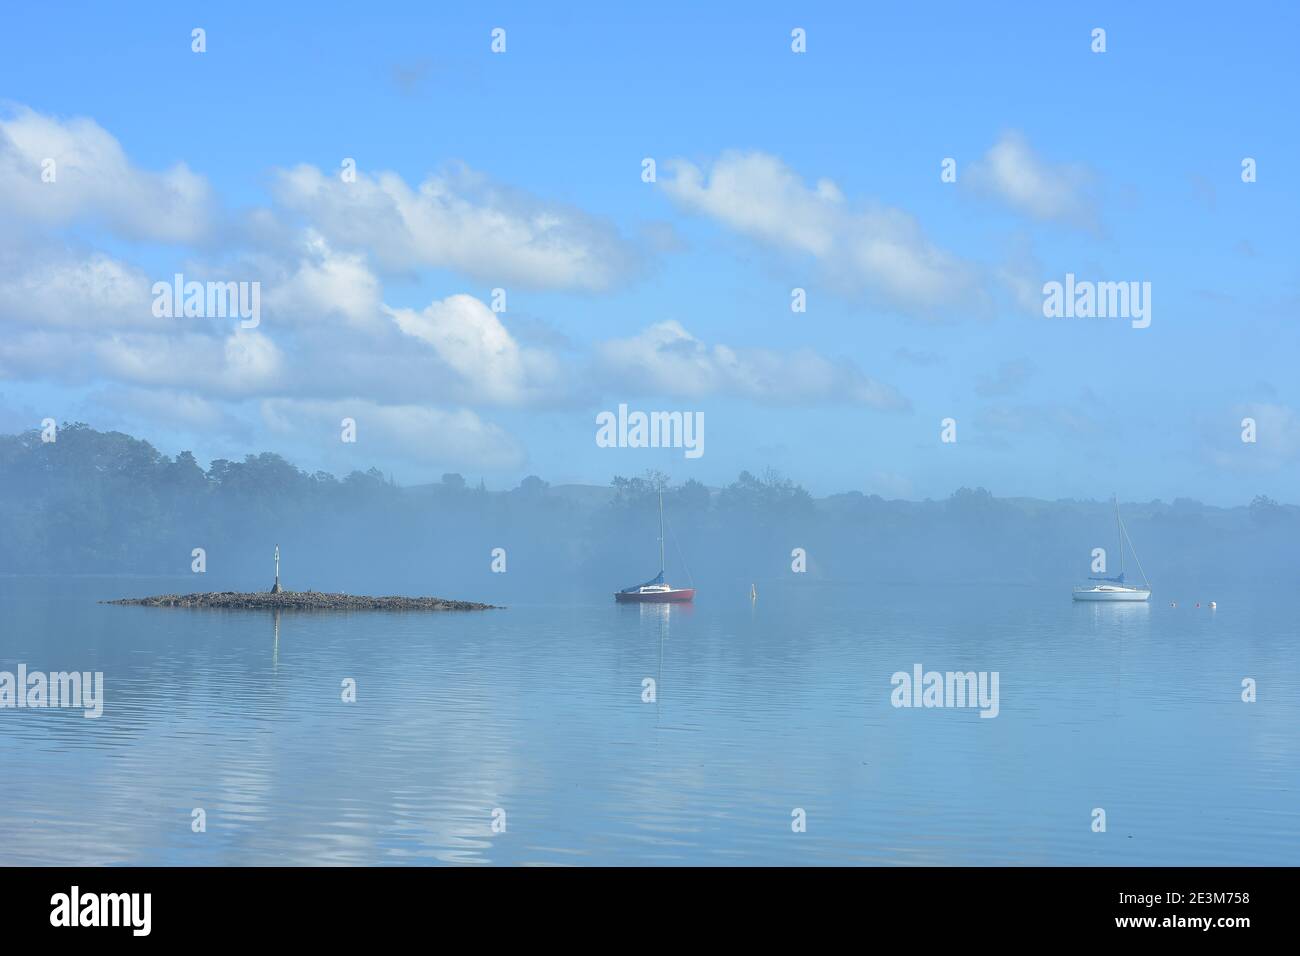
x=1107, y=592
x=1115, y=589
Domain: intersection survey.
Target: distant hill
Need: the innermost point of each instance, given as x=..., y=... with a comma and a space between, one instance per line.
x=107, y=502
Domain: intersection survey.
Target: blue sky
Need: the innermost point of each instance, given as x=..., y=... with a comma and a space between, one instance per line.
x=774, y=170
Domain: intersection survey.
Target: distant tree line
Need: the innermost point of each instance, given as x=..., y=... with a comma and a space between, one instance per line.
x=95, y=502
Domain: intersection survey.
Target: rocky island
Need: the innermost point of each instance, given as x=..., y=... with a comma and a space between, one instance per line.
x=278, y=599
x=303, y=601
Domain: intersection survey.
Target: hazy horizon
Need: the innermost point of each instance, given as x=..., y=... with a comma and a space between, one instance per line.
x=824, y=239
x=597, y=484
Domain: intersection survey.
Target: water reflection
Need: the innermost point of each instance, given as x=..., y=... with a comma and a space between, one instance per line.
x=538, y=711
x=1115, y=610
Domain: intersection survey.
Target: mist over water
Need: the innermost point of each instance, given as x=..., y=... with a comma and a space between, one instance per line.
x=106, y=503
x=761, y=708
x=537, y=715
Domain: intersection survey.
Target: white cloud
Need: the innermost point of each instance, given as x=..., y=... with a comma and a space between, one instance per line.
x=667, y=359
x=244, y=363
x=177, y=408
x=90, y=319
x=759, y=196
x=864, y=248
x=460, y=221
x=1022, y=280
x=84, y=318
x=94, y=181
x=53, y=287
x=1277, y=438
x=43, y=354
x=470, y=340
x=410, y=432
x=1012, y=172
x=321, y=283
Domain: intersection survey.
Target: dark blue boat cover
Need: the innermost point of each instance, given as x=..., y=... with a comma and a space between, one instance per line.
x=657, y=579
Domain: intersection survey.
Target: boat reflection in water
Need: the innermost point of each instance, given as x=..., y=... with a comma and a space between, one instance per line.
x=1115, y=611
x=656, y=621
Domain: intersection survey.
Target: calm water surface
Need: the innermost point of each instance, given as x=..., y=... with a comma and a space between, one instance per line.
x=761, y=709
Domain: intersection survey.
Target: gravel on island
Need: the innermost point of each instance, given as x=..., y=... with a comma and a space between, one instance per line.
x=303, y=600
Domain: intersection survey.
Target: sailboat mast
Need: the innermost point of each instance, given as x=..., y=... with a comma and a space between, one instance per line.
x=1119, y=536
x=661, y=531
x=1141, y=570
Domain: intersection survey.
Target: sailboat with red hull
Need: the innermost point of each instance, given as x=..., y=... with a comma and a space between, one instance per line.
x=656, y=591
